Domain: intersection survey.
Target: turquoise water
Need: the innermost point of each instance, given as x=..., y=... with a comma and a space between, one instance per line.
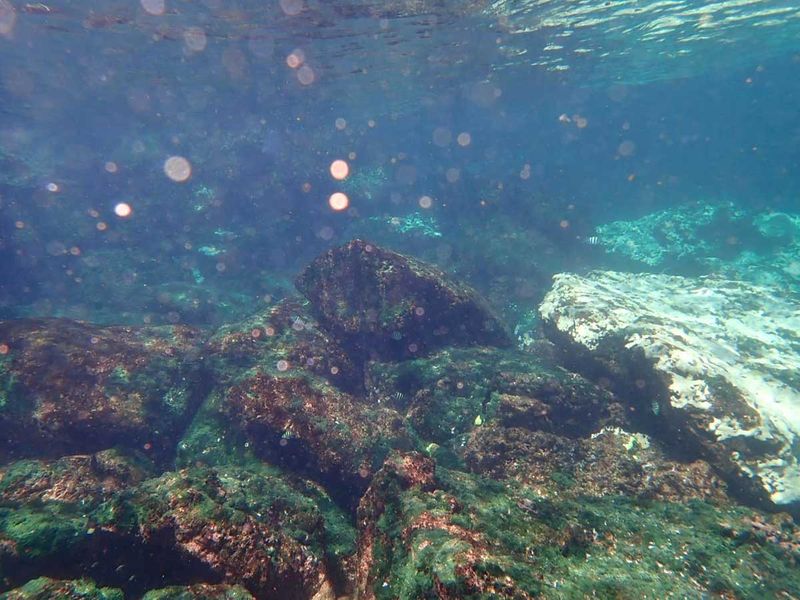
x=581, y=112
x=176, y=162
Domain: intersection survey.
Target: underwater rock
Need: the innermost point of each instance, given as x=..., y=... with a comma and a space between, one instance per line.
x=85, y=479
x=285, y=333
x=711, y=365
x=237, y=525
x=449, y=393
x=609, y=462
x=44, y=508
x=69, y=387
x=200, y=591
x=45, y=588
x=430, y=532
x=380, y=304
x=233, y=525
x=309, y=427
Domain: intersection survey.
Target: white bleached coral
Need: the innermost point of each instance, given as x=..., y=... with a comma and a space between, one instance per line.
x=725, y=353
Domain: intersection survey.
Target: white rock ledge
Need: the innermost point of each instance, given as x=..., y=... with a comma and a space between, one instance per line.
x=721, y=362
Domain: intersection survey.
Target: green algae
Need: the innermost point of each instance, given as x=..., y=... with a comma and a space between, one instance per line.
x=43, y=532
x=612, y=547
x=199, y=592
x=45, y=588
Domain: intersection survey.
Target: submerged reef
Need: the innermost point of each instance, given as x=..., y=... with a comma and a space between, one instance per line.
x=676, y=234
x=344, y=443
x=711, y=238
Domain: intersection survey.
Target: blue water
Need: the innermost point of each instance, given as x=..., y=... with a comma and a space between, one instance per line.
x=581, y=113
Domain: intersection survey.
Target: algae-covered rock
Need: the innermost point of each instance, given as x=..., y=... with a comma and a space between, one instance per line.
x=711, y=237
x=607, y=463
x=685, y=234
x=429, y=532
x=70, y=387
x=46, y=511
x=200, y=591
x=237, y=525
x=450, y=392
x=381, y=304
x=97, y=516
x=85, y=479
x=711, y=364
x=45, y=588
x=285, y=333
x=310, y=427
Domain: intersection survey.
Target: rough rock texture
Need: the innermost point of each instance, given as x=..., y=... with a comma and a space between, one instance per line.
x=312, y=428
x=713, y=364
x=448, y=394
x=430, y=532
x=607, y=463
x=380, y=304
x=200, y=591
x=285, y=333
x=45, y=588
x=69, y=387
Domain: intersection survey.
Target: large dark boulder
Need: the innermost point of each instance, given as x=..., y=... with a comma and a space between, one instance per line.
x=381, y=304
x=309, y=427
x=68, y=387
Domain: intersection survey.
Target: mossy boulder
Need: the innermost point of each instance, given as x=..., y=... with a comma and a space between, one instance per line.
x=85, y=479
x=284, y=333
x=235, y=525
x=381, y=304
x=451, y=392
x=98, y=516
x=607, y=463
x=309, y=427
x=430, y=532
x=45, y=588
x=200, y=591
x=46, y=523
x=70, y=387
